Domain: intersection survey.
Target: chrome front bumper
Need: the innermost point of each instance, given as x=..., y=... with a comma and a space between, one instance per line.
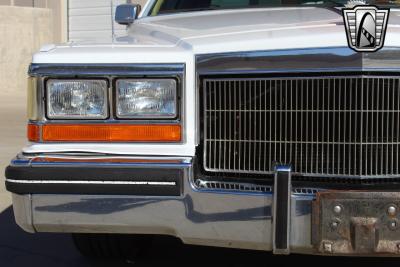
x=205, y=213
x=201, y=216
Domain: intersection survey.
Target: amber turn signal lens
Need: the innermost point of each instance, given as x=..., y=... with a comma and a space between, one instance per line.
x=33, y=133
x=111, y=133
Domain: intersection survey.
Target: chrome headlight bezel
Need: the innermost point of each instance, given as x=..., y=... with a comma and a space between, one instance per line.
x=103, y=115
x=149, y=116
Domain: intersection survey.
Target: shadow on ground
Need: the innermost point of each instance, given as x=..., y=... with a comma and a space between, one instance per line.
x=18, y=249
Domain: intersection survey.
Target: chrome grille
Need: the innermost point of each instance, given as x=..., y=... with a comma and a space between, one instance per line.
x=335, y=125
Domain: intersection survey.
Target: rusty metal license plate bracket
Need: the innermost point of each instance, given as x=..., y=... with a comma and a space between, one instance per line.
x=356, y=223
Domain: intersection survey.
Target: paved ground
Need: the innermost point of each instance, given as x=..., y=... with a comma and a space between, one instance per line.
x=20, y=249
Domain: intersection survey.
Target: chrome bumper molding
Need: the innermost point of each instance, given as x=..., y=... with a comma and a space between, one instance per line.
x=92, y=182
x=102, y=175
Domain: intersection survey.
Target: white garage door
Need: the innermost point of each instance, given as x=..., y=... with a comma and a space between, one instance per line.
x=93, y=20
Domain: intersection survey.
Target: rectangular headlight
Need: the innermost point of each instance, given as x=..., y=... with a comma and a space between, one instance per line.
x=77, y=99
x=147, y=98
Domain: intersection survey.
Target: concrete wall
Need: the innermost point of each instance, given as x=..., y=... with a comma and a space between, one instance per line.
x=23, y=31
x=59, y=11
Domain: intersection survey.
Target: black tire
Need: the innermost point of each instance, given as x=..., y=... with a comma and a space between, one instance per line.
x=110, y=246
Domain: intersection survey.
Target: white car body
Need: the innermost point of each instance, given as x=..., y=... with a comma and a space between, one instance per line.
x=220, y=209
x=178, y=38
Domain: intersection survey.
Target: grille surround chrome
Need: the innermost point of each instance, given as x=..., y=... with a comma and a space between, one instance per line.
x=251, y=188
x=346, y=84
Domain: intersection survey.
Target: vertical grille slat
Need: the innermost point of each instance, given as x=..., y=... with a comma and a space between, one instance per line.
x=346, y=126
x=398, y=125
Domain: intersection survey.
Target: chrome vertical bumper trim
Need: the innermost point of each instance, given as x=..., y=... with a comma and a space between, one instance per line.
x=282, y=210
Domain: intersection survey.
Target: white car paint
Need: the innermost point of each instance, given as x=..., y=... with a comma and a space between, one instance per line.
x=177, y=38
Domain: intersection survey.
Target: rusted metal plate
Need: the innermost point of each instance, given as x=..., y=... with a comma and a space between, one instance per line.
x=356, y=223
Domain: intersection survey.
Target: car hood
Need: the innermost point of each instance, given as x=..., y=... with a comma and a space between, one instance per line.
x=255, y=28
x=214, y=31
x=216, y=26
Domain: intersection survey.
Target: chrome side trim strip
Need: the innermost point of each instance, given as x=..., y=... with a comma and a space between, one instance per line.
x=91, y=182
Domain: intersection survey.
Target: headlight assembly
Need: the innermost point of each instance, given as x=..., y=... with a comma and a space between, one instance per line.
x=146, y=98
x=77, y=99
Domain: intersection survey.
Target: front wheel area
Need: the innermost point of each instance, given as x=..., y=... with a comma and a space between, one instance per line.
x=111, y=246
